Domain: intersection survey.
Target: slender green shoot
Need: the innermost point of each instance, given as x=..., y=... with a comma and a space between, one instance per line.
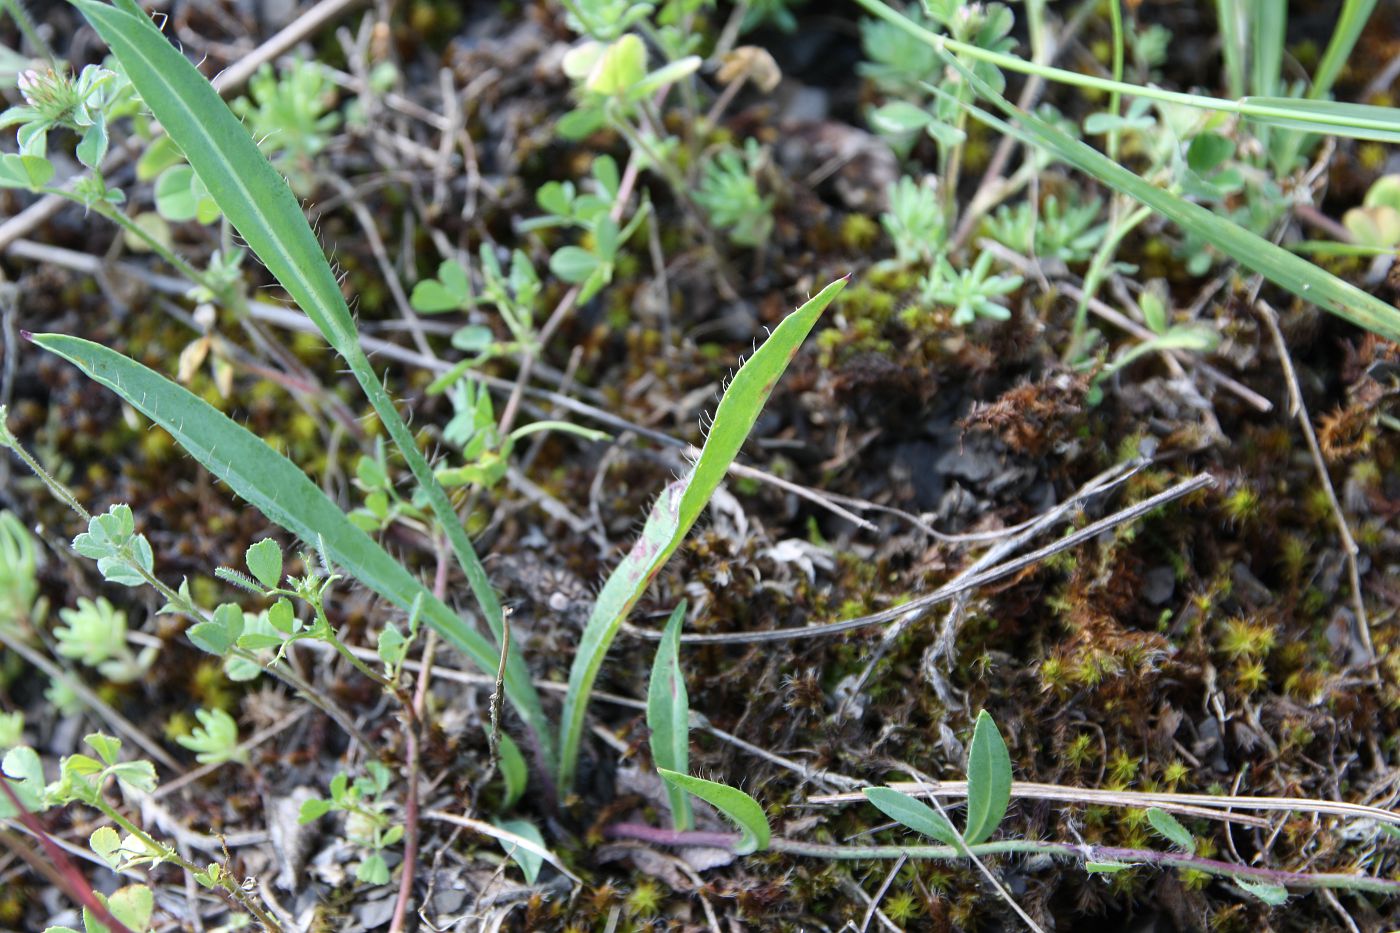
x=1278, y=265
x=676, y=510
x=261, y=207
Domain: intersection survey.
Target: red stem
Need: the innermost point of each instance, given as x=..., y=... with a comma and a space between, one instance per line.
x=66, y=876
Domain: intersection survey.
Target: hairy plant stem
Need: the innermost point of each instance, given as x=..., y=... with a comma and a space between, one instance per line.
x=233, y=893
x=59, y=869
x=1066, y=850
x=175, y=598
x=1098, y=270
x=324, y=625
x=414, y=723
x=230, y=298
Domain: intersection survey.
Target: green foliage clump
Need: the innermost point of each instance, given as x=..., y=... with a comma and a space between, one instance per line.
x=728, y=192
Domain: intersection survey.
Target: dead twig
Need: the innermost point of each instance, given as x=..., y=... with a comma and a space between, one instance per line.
x=946, y=592
x=1207, y=806
x=1297, y=409
x=948, y=634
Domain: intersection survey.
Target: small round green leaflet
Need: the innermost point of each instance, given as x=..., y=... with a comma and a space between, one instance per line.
x=264, y=561
x=733, y=803
x=988, y=780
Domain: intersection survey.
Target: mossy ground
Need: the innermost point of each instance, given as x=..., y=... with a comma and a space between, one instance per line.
x=1204, y=648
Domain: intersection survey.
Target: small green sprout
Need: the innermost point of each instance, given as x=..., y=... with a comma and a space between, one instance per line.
x=915, y=221
x=292, y=116
x=94, y=634
x=728, y=192
x=971, y=293
x=215, y=739
x=367, y=824
x=19, y=565
x=1062, y=232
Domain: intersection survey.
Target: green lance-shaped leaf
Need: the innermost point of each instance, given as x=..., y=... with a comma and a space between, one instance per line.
x=1171, y=829
x=676, y=510
x=988, y=780
x=1275, y=895
x=282, y=492
x=754, y=831
x=1250, y=250
x=529, y=862
x=514, y=774
x=668, y=716
x=262, y=208
x=913, y=813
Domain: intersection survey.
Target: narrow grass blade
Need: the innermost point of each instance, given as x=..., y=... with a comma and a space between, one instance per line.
x=914, y=814
x=1279, y=266
x=733, y=803
x=1231, y=17
x=257, y=201
x=988, y=780
x=668, y=716
x=514, y=772
x=1332, y=117
x=676, y=510
x=1355, y=125
x=1268, y=21
x=280, y=490
x=1355, y=14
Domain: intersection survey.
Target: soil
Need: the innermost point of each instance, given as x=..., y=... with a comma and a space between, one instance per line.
x=1210, y=646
